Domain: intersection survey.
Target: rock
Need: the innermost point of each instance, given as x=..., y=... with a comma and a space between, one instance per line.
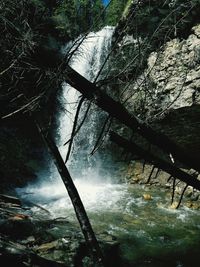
x=189, y=204
x=173, y=205
x=192, y=205
x=167, y=185
x=135, y=180
x=188, y=194
x=110, y=248
x=196, y=30
x=147, y=197
x=194, y=197
x=47, y=246
x=173, y=76
x=28, y=241
x=17, y=217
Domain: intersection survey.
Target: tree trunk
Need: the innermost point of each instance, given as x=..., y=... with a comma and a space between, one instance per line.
x=158, y=162
x=81, y=214
x=117, y=110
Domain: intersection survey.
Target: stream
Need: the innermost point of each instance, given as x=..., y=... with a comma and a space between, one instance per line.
x=149, y=232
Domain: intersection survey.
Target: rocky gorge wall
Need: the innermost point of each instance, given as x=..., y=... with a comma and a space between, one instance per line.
x=169, y=91
x=172, y=76
x=167, y=96
x=160, y=84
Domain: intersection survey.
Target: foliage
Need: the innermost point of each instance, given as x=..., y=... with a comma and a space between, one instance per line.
x=30, y=57
x=150, y=24
x=162, y=20
x=26, y=28
x=73, y=17
x=115, y=11
x=30, y=67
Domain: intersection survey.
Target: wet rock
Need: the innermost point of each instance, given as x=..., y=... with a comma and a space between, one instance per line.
x=50, y=242
x=192, y=205
x=110, y=248
x=168, y=185
x=28, y=241
x=19, y=217
x=47, y=246
x=173, y=205
x=194, y=197
x=147, y=197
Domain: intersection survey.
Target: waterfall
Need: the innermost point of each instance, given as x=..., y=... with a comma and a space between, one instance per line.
x=86, y=170
x=87, y=60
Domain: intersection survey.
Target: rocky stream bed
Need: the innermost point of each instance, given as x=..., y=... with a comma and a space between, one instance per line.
x=134, y=224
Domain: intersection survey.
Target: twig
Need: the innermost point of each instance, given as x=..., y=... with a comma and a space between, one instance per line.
x=74, y=127
x=173, y=191
x=179, y=203
x=149, y=178
x=100, y=135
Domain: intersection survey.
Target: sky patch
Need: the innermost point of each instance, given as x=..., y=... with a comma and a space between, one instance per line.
x=105, y=2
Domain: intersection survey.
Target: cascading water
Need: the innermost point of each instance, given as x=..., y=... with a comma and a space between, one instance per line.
x=87, y=60
x=148, y=231
x=85, y=169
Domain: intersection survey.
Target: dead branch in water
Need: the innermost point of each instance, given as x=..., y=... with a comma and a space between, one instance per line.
x=158, y=162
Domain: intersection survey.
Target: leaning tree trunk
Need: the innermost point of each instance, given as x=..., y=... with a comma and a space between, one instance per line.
x=155, y=160
x=117, y=110
x=81, y=214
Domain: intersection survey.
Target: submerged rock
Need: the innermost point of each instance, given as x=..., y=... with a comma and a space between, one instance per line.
x=147, y=197
x=54, y=242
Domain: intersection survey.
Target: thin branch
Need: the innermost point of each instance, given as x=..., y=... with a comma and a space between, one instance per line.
x=179, y=203
x=173, y=190
x=74, y=127
x=11, y=65
x=25, y=107
x=150, y=175
x=81, y=124
x=100, y=136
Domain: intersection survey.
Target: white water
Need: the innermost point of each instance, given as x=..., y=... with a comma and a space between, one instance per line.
x=86, y=170
x=87, y=60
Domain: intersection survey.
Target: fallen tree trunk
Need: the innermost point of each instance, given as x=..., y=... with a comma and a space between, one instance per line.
x=117, y=110
x=81, y=214
x=156, y=161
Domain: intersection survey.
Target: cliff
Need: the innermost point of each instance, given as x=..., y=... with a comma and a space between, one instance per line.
x=167, y=95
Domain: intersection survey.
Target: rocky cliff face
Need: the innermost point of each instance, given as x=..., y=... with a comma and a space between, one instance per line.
x=172, y=77
x=160, y=83
x=167, y=93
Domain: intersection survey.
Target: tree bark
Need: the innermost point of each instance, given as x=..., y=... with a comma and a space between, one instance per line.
x=158, y=162
x=81, y=214
x=117, y=110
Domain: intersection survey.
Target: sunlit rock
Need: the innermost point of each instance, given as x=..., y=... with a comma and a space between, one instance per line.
x=173, y=205
x=147, y=197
